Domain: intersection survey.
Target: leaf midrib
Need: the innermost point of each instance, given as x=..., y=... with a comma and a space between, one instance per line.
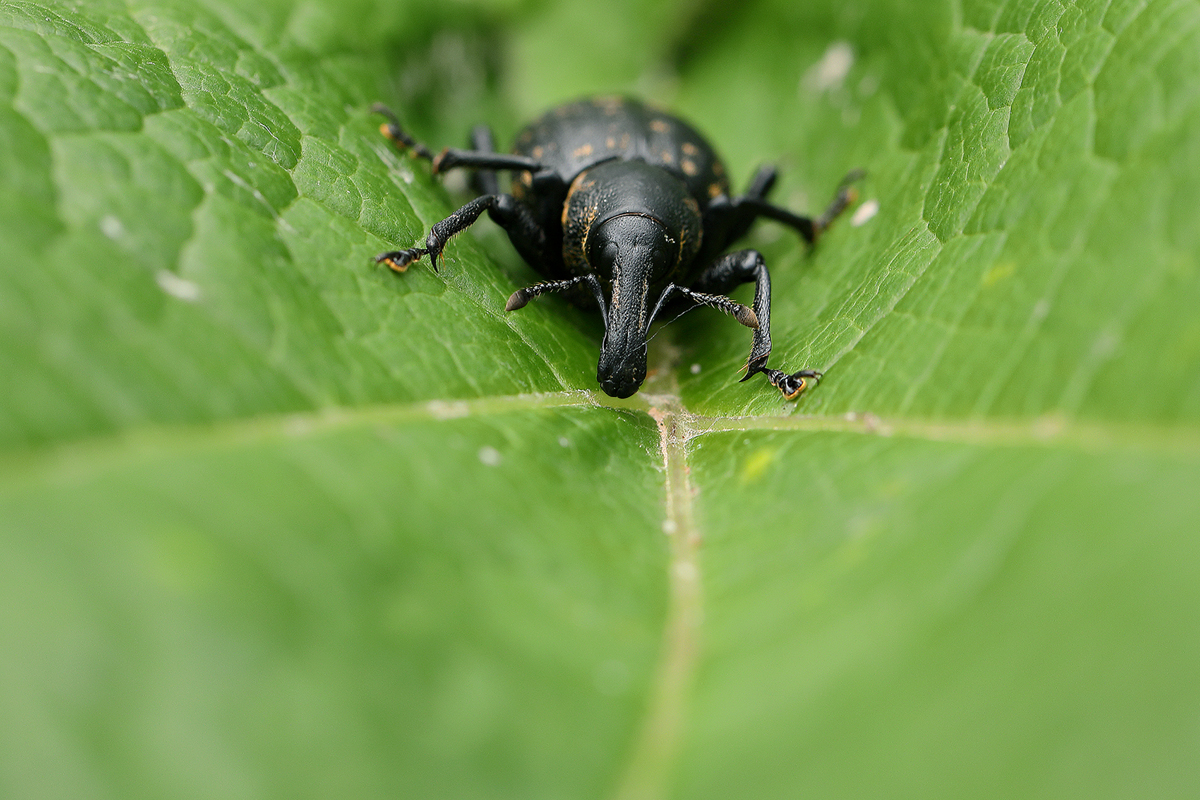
x=102, y=451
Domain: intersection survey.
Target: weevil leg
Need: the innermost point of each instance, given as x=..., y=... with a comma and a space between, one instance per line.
x=734, y=269
x=745, y=266
x=742, y=313
x=482, y=141
x=435, y=242
x=521, y=297
x=504, y=209
x=733, y=217
x=808, y=227
x=842, y=198
x=726, y=220
x=792, y=385
x=762, y=182
x=450, y=157
x=523, y=230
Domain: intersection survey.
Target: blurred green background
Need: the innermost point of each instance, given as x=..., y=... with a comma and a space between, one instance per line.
x=275, y=522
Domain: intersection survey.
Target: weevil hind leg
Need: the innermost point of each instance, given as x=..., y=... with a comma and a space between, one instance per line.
x=395, y=133
x=845, y=195
x=451, y=157
x=482, y=141
x=741, y=212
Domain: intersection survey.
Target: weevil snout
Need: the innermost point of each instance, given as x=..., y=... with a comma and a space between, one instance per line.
x=622, y=368
x=631, y=249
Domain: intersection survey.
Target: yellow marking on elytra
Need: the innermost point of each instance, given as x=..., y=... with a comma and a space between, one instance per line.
x=667, y=158
x=610, y=104
x=538, y=151
x=659, y=126
x=610, y=143
x=580, y=152
x=690, y=149
x=689, y=167
x=714, y=189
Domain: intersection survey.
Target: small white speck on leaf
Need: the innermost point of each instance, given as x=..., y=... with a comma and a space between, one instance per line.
x=441, y=409
x=111, y=226
x=864, y=213
x=831, y=70
x=564, y=441
x=669, y=527
x=695, y=370
x=177, y=287
x=490, y=456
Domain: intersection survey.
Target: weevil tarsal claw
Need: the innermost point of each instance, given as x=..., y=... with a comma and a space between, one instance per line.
x=399, y=260
x=793, y=385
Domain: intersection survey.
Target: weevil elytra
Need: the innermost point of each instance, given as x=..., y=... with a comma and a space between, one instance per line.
x=630, y=205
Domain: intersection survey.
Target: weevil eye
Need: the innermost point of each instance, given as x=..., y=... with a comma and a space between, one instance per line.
x=608, y=253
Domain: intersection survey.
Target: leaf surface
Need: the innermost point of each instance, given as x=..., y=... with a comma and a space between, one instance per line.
x=275, y=521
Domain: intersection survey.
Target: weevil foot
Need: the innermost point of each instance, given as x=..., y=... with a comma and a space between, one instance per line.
x=398, y=260
x=397, y=135
x=846, y=195
x=518, y=299
x=793, y=385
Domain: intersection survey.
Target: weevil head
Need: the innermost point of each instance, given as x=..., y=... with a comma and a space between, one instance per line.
x=633, y=225
x=630, y=250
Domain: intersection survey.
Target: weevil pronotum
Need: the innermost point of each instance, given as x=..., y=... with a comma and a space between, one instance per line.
x=630, y=205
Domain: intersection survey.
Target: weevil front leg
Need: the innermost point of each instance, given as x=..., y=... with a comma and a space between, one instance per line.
x=742, y=313
x=521, y=297
x=792, y=385
x=745, y=266
x=504, y=209
x=435, y=242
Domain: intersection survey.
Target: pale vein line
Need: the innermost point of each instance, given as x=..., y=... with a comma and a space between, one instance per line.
x=1049, y=430
x=649, y=772
x=88, y=454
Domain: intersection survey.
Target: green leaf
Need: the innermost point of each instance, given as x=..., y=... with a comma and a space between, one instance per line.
x=275, y=521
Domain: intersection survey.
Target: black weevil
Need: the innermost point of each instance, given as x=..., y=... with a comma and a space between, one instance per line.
x=629, y=202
